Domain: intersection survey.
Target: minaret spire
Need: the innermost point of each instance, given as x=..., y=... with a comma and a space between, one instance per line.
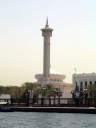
x=47, y=23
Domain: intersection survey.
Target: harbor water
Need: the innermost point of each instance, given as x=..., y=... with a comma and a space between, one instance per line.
x=46, y=120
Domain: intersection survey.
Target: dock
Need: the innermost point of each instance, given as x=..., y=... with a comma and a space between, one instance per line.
x=87, y=110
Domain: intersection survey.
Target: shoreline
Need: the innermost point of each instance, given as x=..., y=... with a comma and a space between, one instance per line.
x=86, y=110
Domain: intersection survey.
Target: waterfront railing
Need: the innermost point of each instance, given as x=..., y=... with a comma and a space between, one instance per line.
x=67, y=102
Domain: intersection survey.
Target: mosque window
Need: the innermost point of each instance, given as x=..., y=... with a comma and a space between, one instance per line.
x=85, y=84
x=90, y=82
x=76, y=88
x=81, y=86
x=81, y=83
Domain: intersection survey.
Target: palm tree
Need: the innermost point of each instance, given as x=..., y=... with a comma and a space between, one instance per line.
x=52, y=92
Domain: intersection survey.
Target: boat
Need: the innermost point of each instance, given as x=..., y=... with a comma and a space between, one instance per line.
x=5, y=107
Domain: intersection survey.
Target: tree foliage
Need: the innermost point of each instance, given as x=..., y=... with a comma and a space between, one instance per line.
x=20, y=91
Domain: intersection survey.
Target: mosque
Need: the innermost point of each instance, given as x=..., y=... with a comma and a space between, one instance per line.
x=47, y=77
x=55, y=79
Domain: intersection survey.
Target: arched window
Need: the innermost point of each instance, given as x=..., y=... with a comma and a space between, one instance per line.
x=77, y=88
x=81, y=86
x=85, y=84
x=90, y=82
x=81, y=83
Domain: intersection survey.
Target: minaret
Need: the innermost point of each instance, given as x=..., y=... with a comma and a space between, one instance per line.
x=46, y=77
x=46, y=33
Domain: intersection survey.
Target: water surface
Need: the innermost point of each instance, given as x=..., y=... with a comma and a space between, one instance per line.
x=46, y=120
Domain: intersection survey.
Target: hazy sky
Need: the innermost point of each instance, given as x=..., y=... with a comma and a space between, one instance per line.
x=73, y=43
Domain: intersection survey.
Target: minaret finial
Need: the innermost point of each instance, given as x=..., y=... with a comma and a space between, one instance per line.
x=47, y=22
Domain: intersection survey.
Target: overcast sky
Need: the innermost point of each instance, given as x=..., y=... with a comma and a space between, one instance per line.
x=73, y=44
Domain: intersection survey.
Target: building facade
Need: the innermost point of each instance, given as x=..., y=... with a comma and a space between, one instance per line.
x=83, y=80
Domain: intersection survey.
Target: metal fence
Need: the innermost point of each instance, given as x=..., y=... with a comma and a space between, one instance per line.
x=54, y=102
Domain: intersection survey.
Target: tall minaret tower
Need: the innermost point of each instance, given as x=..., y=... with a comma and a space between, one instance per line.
x=46, y=33
x=46, y=77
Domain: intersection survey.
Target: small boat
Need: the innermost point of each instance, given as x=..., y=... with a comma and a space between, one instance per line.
x=5, y=107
